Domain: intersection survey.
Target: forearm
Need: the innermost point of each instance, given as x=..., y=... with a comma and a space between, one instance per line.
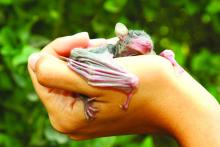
x=175, y=103
x=193, y=116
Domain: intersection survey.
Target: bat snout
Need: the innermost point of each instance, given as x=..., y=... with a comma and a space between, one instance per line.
x=140, y=46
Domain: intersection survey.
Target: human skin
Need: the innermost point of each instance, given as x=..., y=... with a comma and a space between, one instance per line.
x=165, y=101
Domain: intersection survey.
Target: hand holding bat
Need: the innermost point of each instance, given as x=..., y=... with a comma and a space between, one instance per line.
x=163, y=102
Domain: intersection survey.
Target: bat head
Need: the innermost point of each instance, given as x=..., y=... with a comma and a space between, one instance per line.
x=132, y=42
x=137, y=43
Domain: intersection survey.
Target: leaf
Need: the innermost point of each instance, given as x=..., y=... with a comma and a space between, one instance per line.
x=114, y=6
x=55, y=136
x=105, y=141
x=8, y=141
x=7, y=50
x=6, y=2
x=148, y=142
x=7, y=36
x=126, y=139
x=213, y=7
x=38, y=41
x=19, y=79
x=32, y=97
x=25, y=31
x=206, y=18
x=199, y=61
x=5, y=81
x=149, y=14
x=191, y=8
x=23, y=56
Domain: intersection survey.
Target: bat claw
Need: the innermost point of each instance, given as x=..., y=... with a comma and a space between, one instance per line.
x=124, y=106
x=93, y=109
x=90, y=110
x=89, y=114
x=91, y=99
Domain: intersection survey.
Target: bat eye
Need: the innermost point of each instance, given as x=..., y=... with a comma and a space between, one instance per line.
x=120, y=30
x=130, y=52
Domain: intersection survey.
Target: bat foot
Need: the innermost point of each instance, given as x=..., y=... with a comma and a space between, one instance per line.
x=90, y=110
x=169, y=55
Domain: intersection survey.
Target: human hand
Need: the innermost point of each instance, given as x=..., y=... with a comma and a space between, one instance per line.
x=162, y=102
x=54, y=83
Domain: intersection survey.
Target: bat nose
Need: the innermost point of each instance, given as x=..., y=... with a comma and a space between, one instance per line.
x=140, y=45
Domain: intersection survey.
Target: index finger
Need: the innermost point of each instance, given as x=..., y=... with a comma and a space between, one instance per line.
x=63, y=45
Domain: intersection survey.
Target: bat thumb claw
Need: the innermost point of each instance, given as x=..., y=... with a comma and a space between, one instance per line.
x=123, y=107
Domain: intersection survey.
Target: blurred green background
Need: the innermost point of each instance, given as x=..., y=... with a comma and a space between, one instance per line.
x=191, y=29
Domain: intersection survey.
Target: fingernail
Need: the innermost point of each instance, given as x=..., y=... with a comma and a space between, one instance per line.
x=85, y=34
x=32, y=60
x=112, y=40
x=97, y=42
x=80, y=39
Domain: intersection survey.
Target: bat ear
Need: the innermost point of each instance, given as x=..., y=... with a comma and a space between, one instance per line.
x=121, y=30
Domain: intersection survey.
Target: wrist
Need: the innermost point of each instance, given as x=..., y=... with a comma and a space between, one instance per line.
x=199, y=125
x=188, y=112
x=200, y=129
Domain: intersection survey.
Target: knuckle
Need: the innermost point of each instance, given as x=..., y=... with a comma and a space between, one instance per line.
x=161, y=65
x=63, y=125
x=163, y=70
x=165, y=65
x=42, y=71
x=59, y=127
x=58, y=39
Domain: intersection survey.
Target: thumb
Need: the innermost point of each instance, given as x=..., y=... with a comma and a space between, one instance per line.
x=53, y=72
x=63, y=45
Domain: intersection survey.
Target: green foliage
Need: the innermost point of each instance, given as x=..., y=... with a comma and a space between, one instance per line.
x=191, y=29
x=148, y=142
x=114, y=6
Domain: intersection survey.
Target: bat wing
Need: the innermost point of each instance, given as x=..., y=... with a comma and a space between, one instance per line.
x=99, y=69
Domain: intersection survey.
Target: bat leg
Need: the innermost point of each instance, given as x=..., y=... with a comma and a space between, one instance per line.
x=125, y=105
x=169, y=55
x=89, y=110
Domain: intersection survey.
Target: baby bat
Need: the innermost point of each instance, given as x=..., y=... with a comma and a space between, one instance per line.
x=98, y=67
